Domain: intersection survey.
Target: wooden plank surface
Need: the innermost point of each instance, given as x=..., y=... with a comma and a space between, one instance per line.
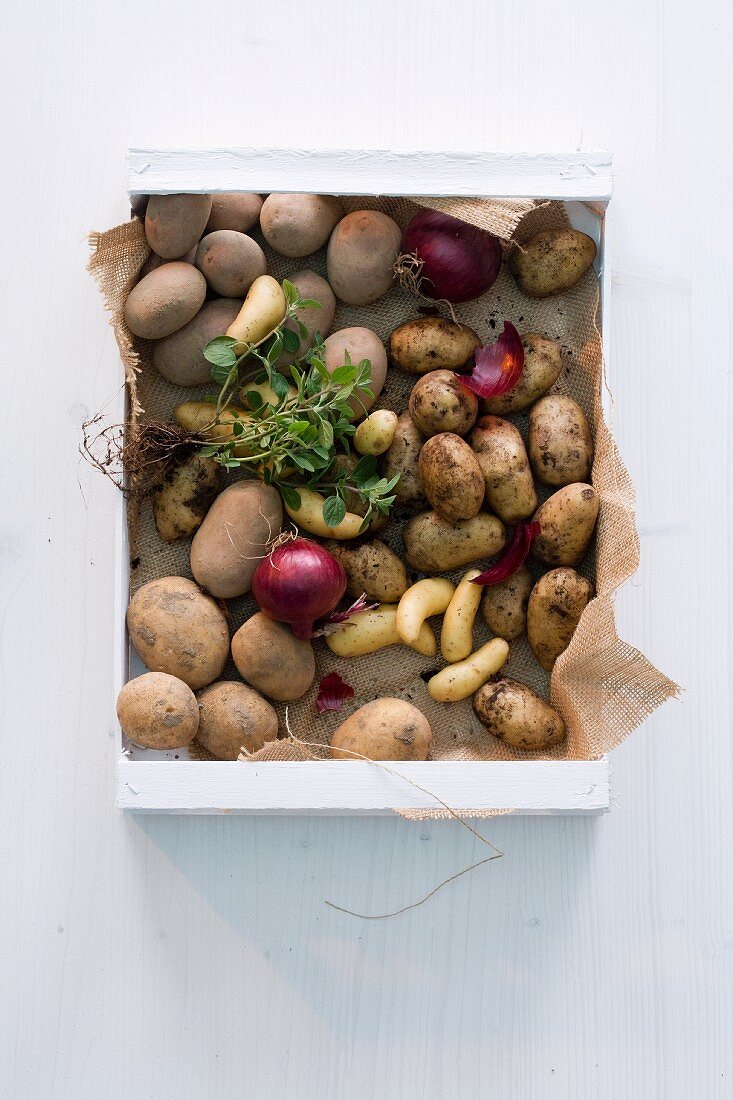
x=157, y=958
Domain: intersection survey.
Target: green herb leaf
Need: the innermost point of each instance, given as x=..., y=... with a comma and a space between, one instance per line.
x=334, y=511
x=309, y=303
x=291, y=497
x=219, y=351
x=302, y=329
x=279, y=384
x=365, y=468
x=343, y=375
x=291, y=292
x=303, y=462
x=254, y=400
x=290, y=339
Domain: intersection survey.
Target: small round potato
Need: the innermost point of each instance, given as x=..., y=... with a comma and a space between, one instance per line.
x=165, y=300
x=433, y=545
x=555, y=606
x=552, y=261
x=233, y=717
x=184, y=498
x=361, y=255
x=542, y=367
x=560, y=441
x=314, y=287
x=403, y=458
x=174, y=223
x=385, y=729
x=439, y=403
x=230, y=262
x=237, y=210
x=232, y=540
x=451, y=477
x=270, y=658
x=432, y=343
x=514, y=714
x=158, y=711
x=371, y=568
x=177, y=629
x=358, y=343
x=179, y=358
x=375, y=433
x=298, y=225
x=501, y=454
x=567, y=520
x=504, y=605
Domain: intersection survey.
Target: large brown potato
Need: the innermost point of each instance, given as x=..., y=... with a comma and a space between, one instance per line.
x=179, y=358
x=174, y=223
x=552, y=261
x=158, y=711
x=403, y=458
x=433, y=545
x=385, y=729
x=312, y=286
x=371, y=568
x=230, y=262
x=361, y=255
x=432, y=343
x=184, y=498
x=298, y=225
x=232, y=540
x=233, y=717
x=439, y=403
x=165, y=300
x=555, y=606
x=270, y=658
x=504, y=606
x=514, y=714
x=501, y=454
x=567, y=520
x=177, y=629
x=560, y=441
x=238, y=210
x=451, y=477
x=358, y=343
x=542, y=367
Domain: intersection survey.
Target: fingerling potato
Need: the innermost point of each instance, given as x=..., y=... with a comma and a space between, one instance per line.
x=422, y=600
x=462, y=679
x=456, y=636
x=369, y=631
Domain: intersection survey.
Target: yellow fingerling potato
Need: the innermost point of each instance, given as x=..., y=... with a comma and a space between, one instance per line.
x=458, y=681
x=199, y=418
x=428, y=597
x=456, y=638
x=375, y=433
x=310, y=517
x=368, y=631
x=262, y=311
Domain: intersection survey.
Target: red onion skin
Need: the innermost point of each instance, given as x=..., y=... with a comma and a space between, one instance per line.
x=298, y=583
x=460, y=261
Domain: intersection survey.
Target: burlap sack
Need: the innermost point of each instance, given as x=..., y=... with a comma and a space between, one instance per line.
x=602, y=687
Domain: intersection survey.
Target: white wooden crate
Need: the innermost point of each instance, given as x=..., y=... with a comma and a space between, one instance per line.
x=159, y=783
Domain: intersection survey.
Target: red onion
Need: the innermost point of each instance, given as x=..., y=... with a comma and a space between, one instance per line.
x=297, y=583
x=460, y=261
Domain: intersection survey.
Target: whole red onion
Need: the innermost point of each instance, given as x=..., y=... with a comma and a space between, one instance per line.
x=460, y=261
x=297, y=583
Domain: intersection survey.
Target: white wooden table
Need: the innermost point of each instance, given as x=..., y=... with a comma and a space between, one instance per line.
x=195, y=959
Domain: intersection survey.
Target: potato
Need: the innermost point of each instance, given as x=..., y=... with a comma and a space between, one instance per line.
x=298, y=225
x=199, y=418
x=371, y=568
x=403, y=458
x=456, y=636
x=179, y=358
x=375, y=433
x=358, y=343
x=174, y=223
x=451, y=477
x=233, y=717
x=433, y=545
x=361, y=256
x=385, y=729
x=560, y=441
x=419, y=603
x=154, y=260
x=238, y=210
x=432, y=343
x=504, y=606
x=158, y=711
x=542, y=368
x=184, y=498
x=552, y=261
x=555, y=606
x=165, y=300
x=270, y=658
x=262, y=311
x=501, y=455
x=177, y=629
x=230, y=262
x=567, y=519
x=309, y=516
x=514, y=714
x=462, y=679
x=229, y=544
x=368, y=631
x=314, y=287
x=439, y=403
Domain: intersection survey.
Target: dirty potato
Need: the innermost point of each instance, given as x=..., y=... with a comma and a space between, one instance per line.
x=555, y=606
x=185, y=496
x=403, y=458
x=432, y=343
x=560, y=441
x=542, y=367
x=270, y=658
x=515, y=715
x=567, y=520
x=433, y=545
x=233, y=717
x=385, y=729
x=501, y=454
x=504, y=605
x=552, y=261
x=158, y=711
x=451, y=477
x=439, y=403
x=371, y=568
